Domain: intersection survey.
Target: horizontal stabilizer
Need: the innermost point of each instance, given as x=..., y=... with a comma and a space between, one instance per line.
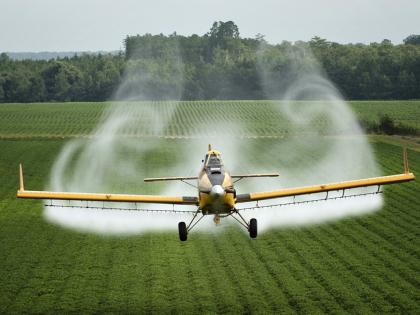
x=157, y=179
x=256, y=175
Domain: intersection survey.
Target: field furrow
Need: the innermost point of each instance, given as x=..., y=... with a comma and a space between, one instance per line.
x=361, y=265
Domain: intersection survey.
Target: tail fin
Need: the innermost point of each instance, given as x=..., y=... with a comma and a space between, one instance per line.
x=21, y=186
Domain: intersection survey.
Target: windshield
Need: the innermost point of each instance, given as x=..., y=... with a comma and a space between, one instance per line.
x=214, y=161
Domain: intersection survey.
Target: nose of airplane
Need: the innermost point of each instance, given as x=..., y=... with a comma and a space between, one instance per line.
x=217, y=191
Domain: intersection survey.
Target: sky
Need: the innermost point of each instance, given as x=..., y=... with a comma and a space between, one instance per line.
x=101, y=25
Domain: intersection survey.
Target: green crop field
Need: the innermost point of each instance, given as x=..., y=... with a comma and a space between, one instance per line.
x=403, y=112
x=50, y=120
x=364, y=264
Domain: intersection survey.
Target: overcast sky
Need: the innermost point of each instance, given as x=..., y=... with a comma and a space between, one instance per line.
x=92, y=25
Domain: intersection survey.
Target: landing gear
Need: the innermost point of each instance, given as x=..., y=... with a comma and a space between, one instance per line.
x=183, y=229
x=183, y=232
x=253, y=228
x=216, y=219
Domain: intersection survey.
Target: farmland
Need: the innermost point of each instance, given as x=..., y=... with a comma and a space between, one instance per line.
x=366, y=264
x=49, y=120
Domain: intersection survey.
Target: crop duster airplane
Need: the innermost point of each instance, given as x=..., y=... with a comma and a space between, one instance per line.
x=216, y=192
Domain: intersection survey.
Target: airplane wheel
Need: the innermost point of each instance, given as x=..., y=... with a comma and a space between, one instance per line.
x=182, y=229
x=253, y=228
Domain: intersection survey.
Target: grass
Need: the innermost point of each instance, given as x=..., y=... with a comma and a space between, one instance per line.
x=368, y=264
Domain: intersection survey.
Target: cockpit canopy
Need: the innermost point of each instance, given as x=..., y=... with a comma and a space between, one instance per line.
x=213, y=162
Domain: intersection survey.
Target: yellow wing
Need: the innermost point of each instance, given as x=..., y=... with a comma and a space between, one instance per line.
x=295, y=191
x=30, y=194
x=287, y=192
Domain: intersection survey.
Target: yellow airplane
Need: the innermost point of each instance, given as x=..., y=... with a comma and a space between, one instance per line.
x=216, y=193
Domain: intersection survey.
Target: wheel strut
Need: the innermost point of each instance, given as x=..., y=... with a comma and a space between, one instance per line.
x=251, y=226
x=184, y=229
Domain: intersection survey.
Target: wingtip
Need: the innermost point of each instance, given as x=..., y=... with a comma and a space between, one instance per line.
x=405, y=156
x=21, y=185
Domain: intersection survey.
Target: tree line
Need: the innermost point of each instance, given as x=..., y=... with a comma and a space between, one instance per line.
x=217, y=65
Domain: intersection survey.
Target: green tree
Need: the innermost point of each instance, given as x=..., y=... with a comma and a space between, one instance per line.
x=62, y=81
x=2, y=94
x=412, y=39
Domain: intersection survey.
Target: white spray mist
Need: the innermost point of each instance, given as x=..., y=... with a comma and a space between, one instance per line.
x=316, y=141
x=323, y=143
x=113, y=160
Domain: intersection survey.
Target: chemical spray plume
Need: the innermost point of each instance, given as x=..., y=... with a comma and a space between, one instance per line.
x=320, y=141
x=324, y=141
x=113, y=160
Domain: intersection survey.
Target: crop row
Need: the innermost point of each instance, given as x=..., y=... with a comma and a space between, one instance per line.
x=362, y=265
x=201, y=118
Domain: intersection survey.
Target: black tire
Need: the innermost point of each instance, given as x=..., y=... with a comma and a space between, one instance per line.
x=182, y=229
x=253, y=228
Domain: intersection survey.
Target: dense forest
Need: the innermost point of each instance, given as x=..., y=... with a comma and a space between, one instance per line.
x=217, y=65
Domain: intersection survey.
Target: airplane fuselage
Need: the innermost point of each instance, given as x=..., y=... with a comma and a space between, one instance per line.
x=216, y=192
